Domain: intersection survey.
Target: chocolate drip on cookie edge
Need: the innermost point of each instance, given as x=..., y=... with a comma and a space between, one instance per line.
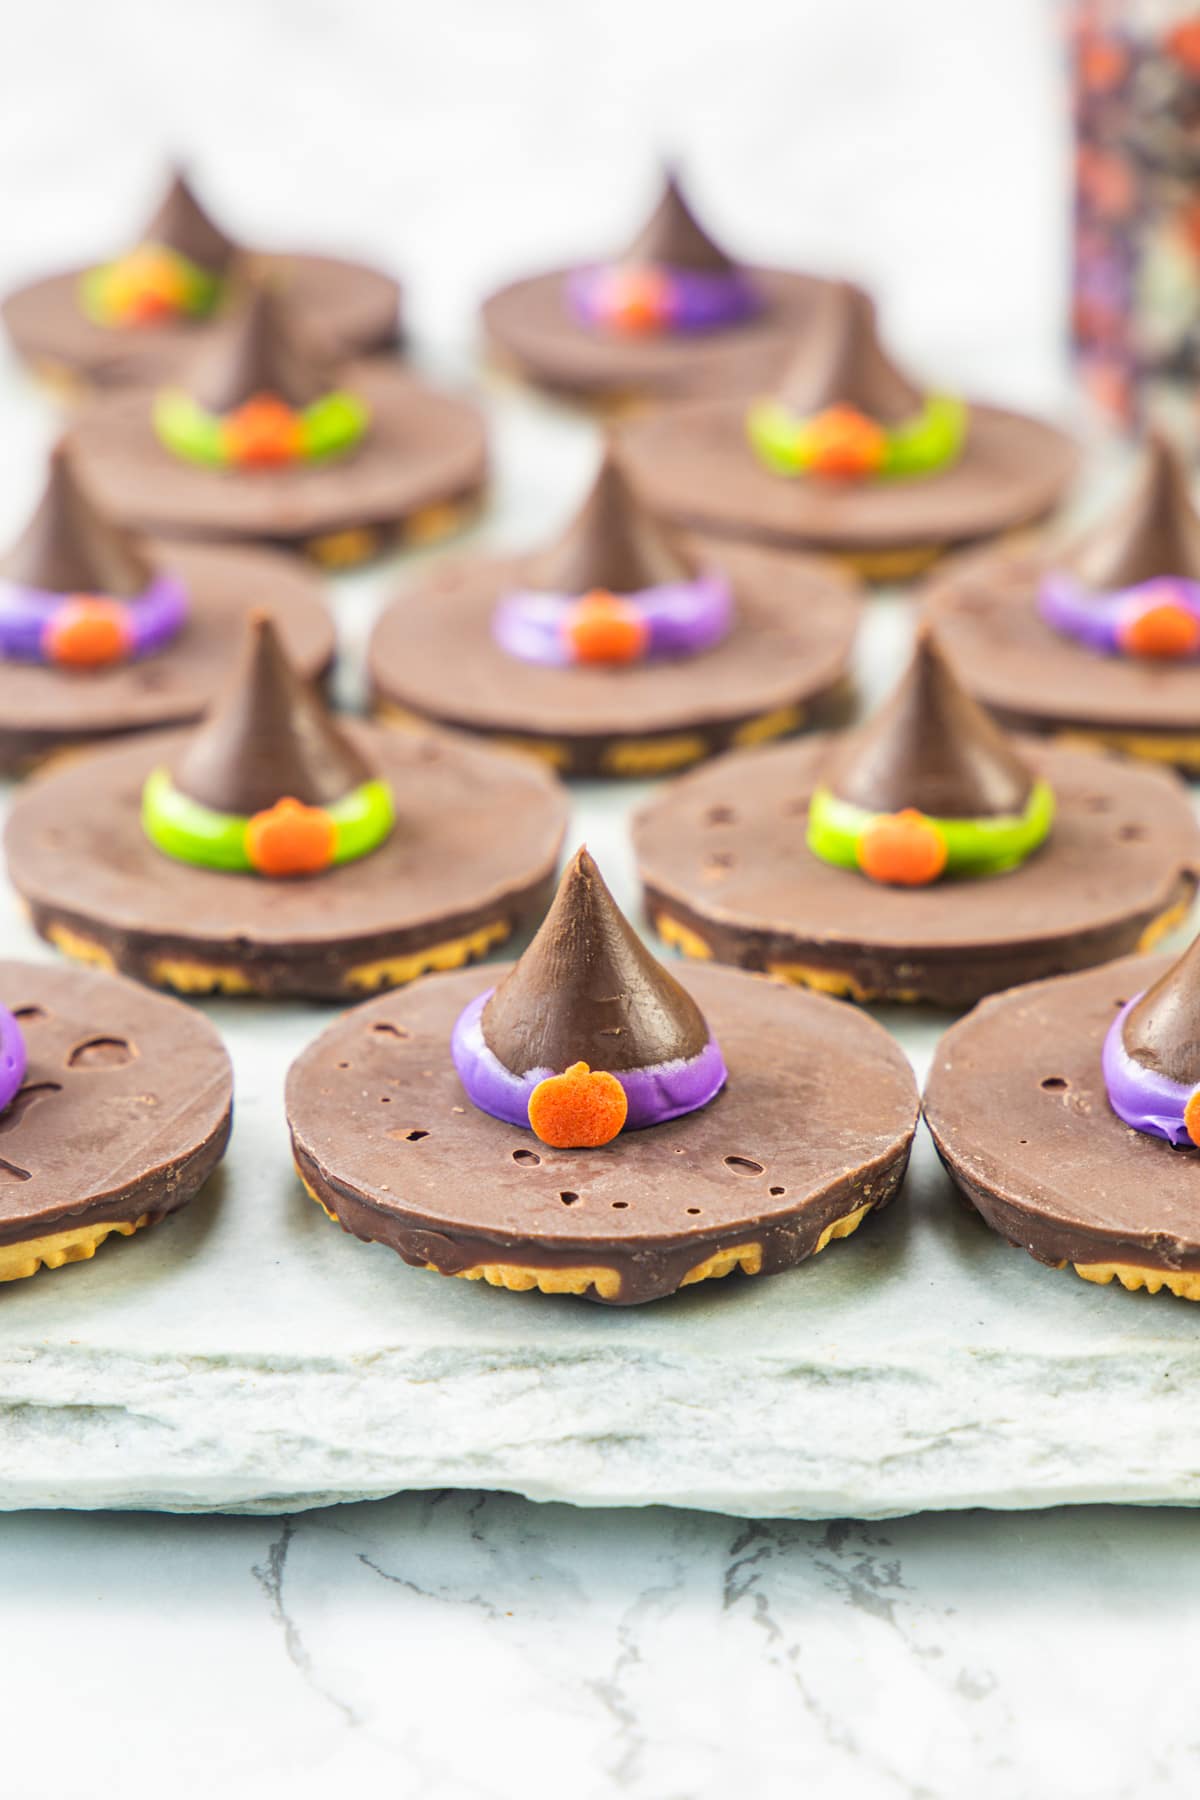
x=673, y=236
x=180, y=223
x=1162, y=1032
x=1155, y=532
x=933, y=748
x=587, y=989
x=271, y=738
x=255, y=350
x=68, y=547
x=841, y=362
x=612, y=544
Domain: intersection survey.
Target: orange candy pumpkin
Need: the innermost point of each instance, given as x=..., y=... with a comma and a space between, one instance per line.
x=637, y=300
x=601, y=628
x=579, y=1109
x=264, y=432
x=291, y=839
x=87, y=633
x=902, y=849
x=843, y=441
x=1164, y=631
x=1191, y=1116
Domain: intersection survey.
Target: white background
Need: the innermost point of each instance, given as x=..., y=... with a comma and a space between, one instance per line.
x=487, y=1647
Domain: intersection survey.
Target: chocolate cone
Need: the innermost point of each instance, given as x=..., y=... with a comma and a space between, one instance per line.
x=181, y=223
x=612, y=544
x=1162, y=1032
x=1154, y=532
x=255, y=350
x=841, y=362
x=271, y=738
x=672, y=235
x=70, y=548
x=588, y=990
x=931, y=747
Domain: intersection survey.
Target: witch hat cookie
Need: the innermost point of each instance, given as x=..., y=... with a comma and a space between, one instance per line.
x=1098, y=639
x=844, y=451
x=275, y=850
x=924, y=856
x=582, y=1122
x=102, y=633
x=1069, y=1114
x=115, y=1107
x=261, y=436
x=619, y=649
x=134, y=318
x=671, y=313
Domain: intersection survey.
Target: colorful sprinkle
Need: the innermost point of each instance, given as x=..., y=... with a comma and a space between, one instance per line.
x=902, y=849
x=578, y=1110
x=291, y=839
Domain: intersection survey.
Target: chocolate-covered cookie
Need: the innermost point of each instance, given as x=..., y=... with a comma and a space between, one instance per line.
x=103, y=634
x=845, y=453
x=262, y=436
x=671, y=314
x=922, y=857
x=1063, y=1111
x=581, y=1122
x=115, y=1108
x=1096, y=641
x=273, y=850
x=619, y=650
x=136, y=318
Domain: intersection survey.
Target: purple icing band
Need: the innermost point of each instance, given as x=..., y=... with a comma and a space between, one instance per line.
x=151, y=620
x=656, y=1094
x=12, y=1057
x=1141, y=1097
x=685, y=300
x=682, y=619
x=1099, y=620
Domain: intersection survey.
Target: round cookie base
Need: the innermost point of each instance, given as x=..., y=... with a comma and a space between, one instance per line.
x=1036, y=680
x=95, y=1146
x=532, y=335
x=710, y=848
x=355, y=308
x=784, y=666
x=693, y=466
x=470, y=861
x=48, y=712
x=782, y=1163
x=419, y=476
x=1017, y=1108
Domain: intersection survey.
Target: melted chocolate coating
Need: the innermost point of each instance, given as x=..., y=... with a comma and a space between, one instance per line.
x=181, y=223
x=271, y=737
x=932, y=747
x=125, y=1108
x=816, y=1120
x=1155, y=532
x=256, y=351
x=840, y=362
x=673, y=235
x=69, y=547
x=588, y=990
x=1163, y=1030
x=612, y=543
x=1019, y=1113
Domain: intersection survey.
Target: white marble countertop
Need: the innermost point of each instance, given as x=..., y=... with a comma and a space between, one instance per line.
x=459, y=1644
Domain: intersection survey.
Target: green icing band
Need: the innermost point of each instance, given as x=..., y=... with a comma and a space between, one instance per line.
x=181, y=827
x=330, y=426
x=197, y=290
x=929, y=441
x=973, y=846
